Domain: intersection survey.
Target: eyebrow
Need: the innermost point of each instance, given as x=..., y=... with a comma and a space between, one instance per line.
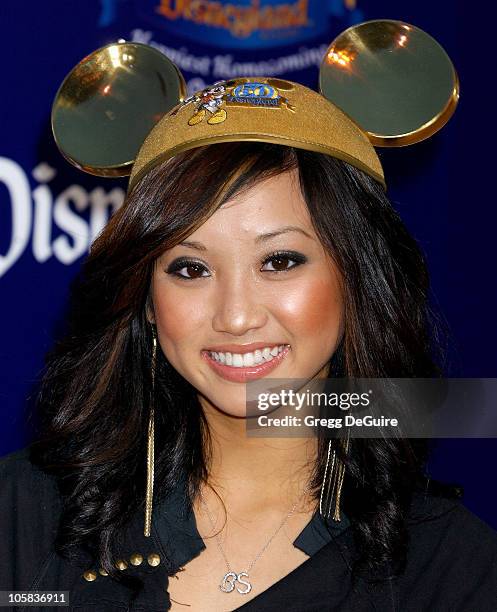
x=198, y=246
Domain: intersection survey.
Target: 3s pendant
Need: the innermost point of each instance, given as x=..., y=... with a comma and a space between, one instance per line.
x=231, y=578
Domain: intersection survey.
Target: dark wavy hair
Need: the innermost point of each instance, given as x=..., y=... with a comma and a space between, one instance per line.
x=95, y=396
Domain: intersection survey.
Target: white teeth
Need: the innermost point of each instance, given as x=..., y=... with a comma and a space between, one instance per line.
x=237, y=360
x=248, y=360
x=245, y=360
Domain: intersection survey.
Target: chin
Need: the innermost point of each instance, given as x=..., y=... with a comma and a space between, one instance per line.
x=236, y=408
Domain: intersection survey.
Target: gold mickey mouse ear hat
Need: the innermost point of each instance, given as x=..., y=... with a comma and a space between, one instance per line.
x=122, y=110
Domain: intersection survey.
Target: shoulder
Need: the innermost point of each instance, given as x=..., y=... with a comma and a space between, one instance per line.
x=452, y=557
x=17, y=463
x=30, y=507
x=452, y=521
x=24, y=485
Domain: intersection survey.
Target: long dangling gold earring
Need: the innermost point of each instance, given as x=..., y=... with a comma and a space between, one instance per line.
x=332, y=482
x=150, y=441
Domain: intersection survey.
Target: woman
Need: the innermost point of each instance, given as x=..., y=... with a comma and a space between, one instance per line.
x=234, y=261
x=279, y=246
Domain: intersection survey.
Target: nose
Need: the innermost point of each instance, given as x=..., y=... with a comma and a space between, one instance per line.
x=238, y=307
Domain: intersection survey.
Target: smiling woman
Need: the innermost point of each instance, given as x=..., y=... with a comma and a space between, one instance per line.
x=256, y=241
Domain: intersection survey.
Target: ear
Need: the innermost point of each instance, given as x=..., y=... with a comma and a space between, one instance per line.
x=149, y=309
x=150, y=317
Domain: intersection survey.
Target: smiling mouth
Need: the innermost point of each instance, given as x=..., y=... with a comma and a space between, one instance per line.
x=247, y=359
x=241, y=367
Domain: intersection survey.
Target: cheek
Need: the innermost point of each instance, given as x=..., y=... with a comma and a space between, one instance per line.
x=176, y=316
x=314, y=308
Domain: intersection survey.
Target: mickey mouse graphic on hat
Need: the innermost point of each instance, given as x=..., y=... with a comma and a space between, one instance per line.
x=208, y=101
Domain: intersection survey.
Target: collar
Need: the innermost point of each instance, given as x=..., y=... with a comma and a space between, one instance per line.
x=174, y=541
x=176, y=526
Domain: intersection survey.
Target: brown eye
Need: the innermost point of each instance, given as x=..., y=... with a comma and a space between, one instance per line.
x=187, y=270
x=279, y=261
x=193, y=270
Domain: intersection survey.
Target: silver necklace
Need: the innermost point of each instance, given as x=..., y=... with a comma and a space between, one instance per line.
x=229, y=580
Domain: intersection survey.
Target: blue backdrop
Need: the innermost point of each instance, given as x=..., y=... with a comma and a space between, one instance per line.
x=50, y=212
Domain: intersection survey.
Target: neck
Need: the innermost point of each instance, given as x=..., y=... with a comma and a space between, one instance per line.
x=267, y=471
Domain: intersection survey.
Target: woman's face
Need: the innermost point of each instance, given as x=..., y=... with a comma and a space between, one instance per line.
x=253, y=277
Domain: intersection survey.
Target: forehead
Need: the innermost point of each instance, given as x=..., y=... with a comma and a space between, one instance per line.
x=266, y=205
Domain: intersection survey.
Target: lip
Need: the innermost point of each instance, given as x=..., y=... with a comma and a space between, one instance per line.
x=245, y=374
x=242, y=348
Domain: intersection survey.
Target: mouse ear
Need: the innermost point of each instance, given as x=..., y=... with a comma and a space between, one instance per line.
x=393, y=79
x=108, y=104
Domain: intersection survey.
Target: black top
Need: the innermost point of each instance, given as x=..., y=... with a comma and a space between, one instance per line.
x=452, y=558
